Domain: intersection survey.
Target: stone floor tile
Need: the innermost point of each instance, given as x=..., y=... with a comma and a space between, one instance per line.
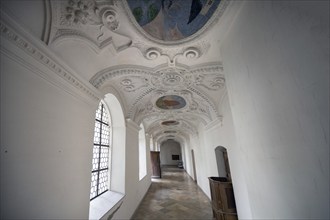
x=174, y=196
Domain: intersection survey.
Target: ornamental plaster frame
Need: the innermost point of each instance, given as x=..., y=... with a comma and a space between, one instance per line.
x=209, y=24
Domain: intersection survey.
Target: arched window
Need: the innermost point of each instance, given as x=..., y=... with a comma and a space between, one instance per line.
x=108, y=172
x=101, y=152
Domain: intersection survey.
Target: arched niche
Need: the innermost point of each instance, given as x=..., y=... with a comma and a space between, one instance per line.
x=222, y=162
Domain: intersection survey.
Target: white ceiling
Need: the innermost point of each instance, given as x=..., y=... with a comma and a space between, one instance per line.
x=110, y=50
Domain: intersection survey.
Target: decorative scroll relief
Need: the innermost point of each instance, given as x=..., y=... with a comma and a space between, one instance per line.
x=189, y=52
x=170, y=78
x=133, y=83
x=175, y=78
x=209, y=81
x=80, y=12
x=93, y=20
x=99, y=79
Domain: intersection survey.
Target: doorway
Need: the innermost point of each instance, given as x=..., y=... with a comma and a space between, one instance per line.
x=222, y=162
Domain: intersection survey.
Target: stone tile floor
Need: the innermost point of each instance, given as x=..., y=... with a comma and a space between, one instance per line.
x=174, y=196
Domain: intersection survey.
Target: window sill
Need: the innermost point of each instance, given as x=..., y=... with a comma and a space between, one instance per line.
x=106, y=204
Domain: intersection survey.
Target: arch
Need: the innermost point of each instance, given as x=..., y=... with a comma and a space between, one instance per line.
x=118, y=144
x=222, y=162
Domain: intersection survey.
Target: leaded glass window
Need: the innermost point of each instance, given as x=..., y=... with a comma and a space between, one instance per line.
x=101, y=153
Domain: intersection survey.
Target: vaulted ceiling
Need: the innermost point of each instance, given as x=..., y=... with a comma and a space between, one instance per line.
x=159, y=57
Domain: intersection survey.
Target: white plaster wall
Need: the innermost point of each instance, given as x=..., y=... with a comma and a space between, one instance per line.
x=134, y=189
x=222, y=134
x=46, y=144
x=46, y=153
x=187, y=157
x=276, y=62
x=118, y=143
x=30, y=13
x=167, y=149
x=142, y=153
x=200, y=160
x=183, y=145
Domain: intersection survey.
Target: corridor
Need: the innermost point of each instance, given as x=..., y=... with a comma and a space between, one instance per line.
x=174, y=196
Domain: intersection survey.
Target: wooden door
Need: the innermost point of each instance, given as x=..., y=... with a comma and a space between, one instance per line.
x=155, y=164
x=225, y=157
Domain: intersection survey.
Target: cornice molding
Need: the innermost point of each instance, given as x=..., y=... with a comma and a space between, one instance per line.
x=35, y=49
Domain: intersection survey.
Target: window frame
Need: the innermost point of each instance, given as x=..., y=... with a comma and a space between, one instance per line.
x=102, y=122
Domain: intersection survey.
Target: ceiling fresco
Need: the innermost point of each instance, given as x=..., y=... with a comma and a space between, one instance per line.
x=171, y=102
x=170, y=123
x=171, y=20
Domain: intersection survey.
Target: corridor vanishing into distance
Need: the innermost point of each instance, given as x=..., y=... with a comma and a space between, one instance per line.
x=174, y=196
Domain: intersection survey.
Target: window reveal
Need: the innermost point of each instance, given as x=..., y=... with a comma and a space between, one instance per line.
x=101, y=151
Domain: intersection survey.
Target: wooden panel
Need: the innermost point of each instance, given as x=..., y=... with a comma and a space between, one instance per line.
x=155, y=164
x=225, y=216
x=222, y=198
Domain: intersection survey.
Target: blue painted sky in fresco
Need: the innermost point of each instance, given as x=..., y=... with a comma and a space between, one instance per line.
x=176, y=13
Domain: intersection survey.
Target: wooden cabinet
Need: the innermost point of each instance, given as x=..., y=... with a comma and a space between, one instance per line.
x=155, y=164
x=223, y=200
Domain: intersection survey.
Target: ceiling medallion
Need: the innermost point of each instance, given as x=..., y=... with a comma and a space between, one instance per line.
x=171, y=102
x=170, y=123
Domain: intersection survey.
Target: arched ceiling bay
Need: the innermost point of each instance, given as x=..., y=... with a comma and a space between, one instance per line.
x=171, y=85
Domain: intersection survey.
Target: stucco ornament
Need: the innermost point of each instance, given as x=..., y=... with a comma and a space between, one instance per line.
x=81, y=12
x=109, y=19
x=87, y=12
x=90, y=20
x=170, y=78
x=210, y=81
x=193, y=51
x=133, y=83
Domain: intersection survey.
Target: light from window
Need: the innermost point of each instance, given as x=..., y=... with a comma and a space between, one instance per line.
x=101, y=151
x=142, y=153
